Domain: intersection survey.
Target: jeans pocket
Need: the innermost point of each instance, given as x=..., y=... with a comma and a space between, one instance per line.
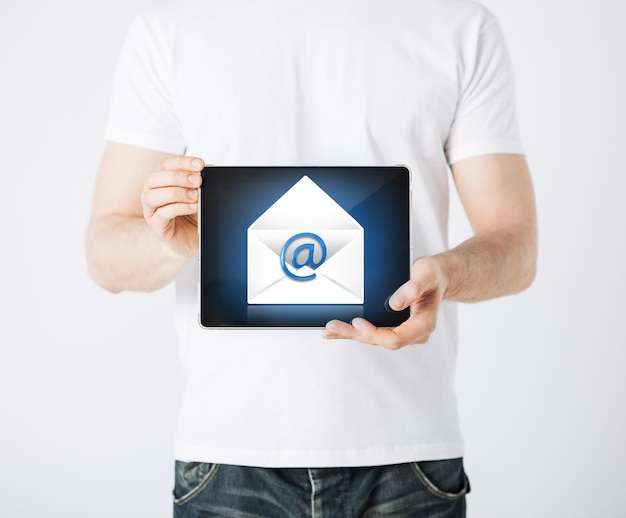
x=445, y=479
x=191, y=478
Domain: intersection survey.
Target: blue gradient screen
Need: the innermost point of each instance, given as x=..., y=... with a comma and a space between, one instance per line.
x=233, y=198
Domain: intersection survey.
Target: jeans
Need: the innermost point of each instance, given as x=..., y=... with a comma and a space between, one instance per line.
x=430, y=489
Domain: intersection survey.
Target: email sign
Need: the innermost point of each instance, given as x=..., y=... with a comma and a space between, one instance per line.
x=305, y=249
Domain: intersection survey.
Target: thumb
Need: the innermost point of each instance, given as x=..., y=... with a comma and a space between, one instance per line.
x=404, y=296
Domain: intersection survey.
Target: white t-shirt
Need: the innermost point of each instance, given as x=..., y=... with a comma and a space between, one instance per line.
x=423, y=83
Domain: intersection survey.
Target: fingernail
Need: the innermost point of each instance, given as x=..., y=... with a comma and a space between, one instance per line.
x=331, y=326
x=395, y=301
x=357, y=324
x=197, y=163
x=194, y=179
x=192, y=194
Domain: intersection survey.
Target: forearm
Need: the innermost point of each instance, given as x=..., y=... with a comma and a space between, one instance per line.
x=124, y=254
x=496, y=262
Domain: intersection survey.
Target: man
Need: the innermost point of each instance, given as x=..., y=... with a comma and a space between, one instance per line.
x=298, y=423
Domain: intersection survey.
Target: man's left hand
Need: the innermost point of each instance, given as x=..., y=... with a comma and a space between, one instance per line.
x=423, y=293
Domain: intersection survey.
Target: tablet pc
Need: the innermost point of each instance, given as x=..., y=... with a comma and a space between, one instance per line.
x=295, y=247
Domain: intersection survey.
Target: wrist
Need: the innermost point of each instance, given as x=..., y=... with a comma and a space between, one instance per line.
x=437, y=265
x=176, y=253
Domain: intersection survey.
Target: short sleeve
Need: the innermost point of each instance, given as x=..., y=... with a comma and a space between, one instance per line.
x=485, y=120
x=142, y=111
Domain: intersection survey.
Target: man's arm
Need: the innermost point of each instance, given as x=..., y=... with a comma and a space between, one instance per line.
x=497, y=194
x=143, y=226
x=500, y=259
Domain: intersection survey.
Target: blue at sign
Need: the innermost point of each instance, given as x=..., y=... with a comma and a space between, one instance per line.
x=307, y=249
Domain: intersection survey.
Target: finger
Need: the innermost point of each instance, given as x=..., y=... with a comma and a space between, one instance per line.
x=178, y=170
x=416, y=330
x=182, y=163
x=338, y=329
x=163, y=216
x=173, y=178
x=153, y=199
x=404, y=296
x=360, y=330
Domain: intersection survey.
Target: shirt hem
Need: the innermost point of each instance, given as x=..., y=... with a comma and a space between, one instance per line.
x=461, y=152
x=320, y=458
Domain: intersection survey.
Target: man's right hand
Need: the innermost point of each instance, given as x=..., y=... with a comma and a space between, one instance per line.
x=143, y=229
x=170, y=203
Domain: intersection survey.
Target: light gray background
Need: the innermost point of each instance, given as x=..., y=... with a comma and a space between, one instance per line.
x=89, y=382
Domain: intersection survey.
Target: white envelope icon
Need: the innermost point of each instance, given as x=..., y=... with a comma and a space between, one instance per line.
x=305, y=249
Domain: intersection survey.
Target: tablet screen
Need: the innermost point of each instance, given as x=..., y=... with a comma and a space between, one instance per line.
x=295, y=247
